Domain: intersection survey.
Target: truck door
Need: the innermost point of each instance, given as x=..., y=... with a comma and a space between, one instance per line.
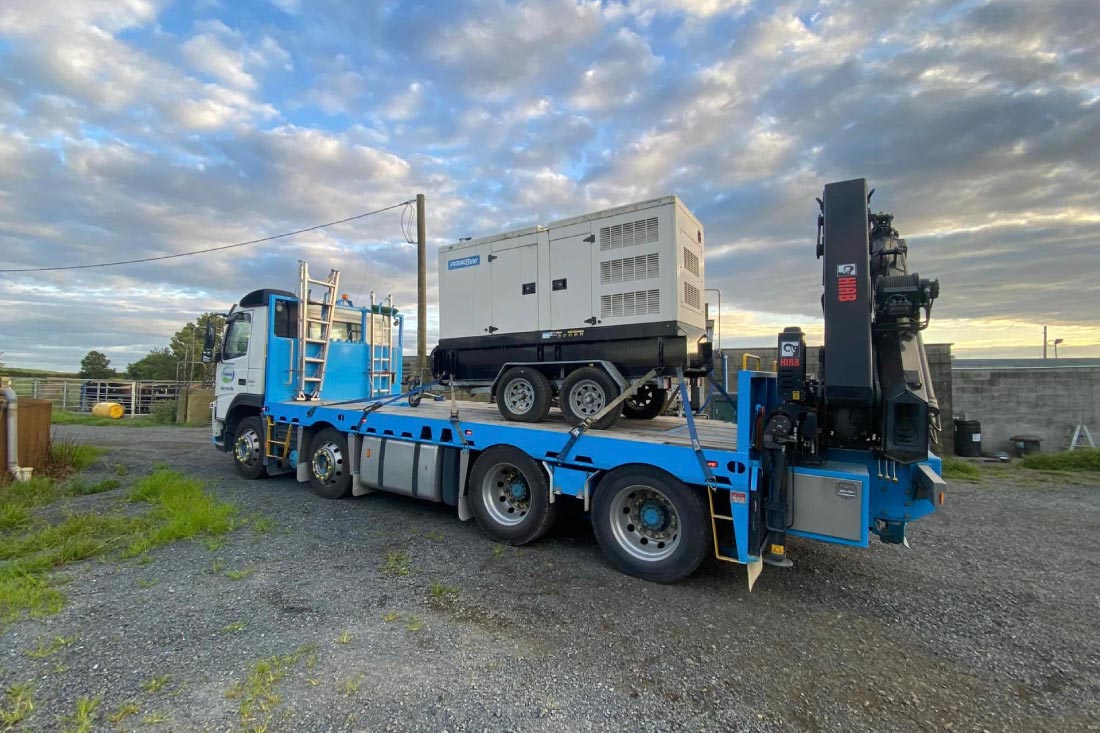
x=571, y=277
x=515, y=275
x=233, y=369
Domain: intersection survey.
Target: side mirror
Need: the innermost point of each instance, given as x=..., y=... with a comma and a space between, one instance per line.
x=208, y=343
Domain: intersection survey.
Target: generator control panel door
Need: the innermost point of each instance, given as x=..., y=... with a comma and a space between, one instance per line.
x=464, y=306
x=515, y=274
x=571, y=277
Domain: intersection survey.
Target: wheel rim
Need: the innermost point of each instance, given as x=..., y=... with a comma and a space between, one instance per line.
x=505, y=494
x=519, y=396
x=645, y=523
x=247, y=448
x=644, y=397
x=587, y=398
x=328, y=463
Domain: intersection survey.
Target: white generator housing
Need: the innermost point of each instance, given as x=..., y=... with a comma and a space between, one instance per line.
x=633, y=264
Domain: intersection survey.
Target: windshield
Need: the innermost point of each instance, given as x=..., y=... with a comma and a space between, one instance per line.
x=236, y=337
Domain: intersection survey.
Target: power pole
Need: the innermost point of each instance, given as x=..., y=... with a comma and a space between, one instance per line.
x=1044, y=342
x=421, y=289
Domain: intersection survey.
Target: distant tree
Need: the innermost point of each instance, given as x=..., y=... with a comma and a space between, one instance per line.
x=96, y=365
x=158, y=364
x=186, y=343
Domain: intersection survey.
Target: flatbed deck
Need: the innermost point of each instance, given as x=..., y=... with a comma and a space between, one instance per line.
x=661, y=430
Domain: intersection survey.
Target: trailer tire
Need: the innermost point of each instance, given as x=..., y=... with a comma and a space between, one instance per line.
x=329, y=464
x=510, y=496
x=248, y=448
x=647, y=403
x=523, y=395
x=584, y=393
x=650, y=525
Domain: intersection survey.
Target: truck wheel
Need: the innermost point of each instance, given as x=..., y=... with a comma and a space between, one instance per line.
x=587, y=391
x=248, y=448
x=523, y=395
x=650, y=525
x=329, y=465
x=647, y=403
x=510, y=496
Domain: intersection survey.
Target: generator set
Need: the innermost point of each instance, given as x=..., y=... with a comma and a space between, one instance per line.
x=874, y=392
x=575, y=310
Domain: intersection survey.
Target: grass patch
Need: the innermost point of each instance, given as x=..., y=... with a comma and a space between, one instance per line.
x=123, y=711
x=156, y=684
x=240, y=574
x=257, y=693
x=47, y=648
x=147, y=582
x=261, y=524
x=121, y=470
x=498, y=550
x=155, y=717
x=1082, y=459
x=345, y=638
x=83, y=488
x=438, y=590
x=181, y=509
x=18, y=704
x=84, y=716
x=63, y=417
x=67, y=458
x=412, y=623
x=233, y=628
x=397, y=564
x=953, y=468
x=392, y=616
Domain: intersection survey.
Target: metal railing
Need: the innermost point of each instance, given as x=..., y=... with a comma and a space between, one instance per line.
x=79, y=395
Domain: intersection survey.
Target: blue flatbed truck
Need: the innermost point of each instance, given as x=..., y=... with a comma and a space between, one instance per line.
x=662, y=494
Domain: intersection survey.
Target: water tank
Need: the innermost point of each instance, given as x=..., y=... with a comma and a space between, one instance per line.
x=968, y=438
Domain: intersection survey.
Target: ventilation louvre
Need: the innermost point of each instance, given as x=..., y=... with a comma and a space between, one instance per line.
x=628, y=269
x=632, y=303
x=691, y=296
x=628, y=234
x=691, y=262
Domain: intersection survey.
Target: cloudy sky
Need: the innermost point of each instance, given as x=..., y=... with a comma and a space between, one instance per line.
x=133, y=128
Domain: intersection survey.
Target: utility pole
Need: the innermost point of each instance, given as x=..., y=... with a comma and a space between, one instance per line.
x=421, y=289
x=1044, y=342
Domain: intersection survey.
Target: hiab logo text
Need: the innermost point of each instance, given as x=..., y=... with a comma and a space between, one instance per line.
x=846, y=288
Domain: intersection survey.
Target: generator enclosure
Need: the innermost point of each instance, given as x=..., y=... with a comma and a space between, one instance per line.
x=624, y=284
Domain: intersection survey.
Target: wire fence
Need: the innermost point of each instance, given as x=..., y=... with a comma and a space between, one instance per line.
x=79, y=395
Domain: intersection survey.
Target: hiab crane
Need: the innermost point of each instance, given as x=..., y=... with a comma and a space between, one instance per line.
x=305, y=386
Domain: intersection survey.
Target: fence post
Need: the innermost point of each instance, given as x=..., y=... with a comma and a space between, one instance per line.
x=65, y=395
x=34, y=389
x=133, y=399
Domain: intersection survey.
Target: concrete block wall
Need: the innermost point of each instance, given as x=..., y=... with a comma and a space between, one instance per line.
x=1044, y=401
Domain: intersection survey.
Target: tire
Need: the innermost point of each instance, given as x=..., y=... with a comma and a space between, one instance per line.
x=510, y=496
x=584, y=393
x=647, y=403
x=329, y=464
x=523, y=395
x=248, y=448
x=650, y=525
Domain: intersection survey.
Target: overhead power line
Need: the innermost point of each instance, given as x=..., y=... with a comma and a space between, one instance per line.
x=313, y=228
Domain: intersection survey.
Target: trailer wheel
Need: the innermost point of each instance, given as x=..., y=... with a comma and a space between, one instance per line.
x=587, y=391
x=647, y=403
x=510, y=496
x=650, y=525
x=248, y=448
x=523, y=395
x=329, y=465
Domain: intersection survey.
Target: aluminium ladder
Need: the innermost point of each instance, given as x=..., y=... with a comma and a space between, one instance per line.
x=381, y=346
x=314, y=329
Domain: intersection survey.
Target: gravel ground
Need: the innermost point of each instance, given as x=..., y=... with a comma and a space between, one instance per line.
x=988, y=623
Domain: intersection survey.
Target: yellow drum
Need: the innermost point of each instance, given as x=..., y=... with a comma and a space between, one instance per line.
x=112, y=410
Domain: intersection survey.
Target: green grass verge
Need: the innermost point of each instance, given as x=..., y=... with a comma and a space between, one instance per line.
x=953, y=468
x=179, y=509
x=63, y=417
x=1083, y=459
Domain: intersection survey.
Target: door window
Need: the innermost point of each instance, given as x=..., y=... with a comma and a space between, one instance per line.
x=236, y=337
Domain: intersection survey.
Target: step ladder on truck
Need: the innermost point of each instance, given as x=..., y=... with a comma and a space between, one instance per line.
x=662, y=493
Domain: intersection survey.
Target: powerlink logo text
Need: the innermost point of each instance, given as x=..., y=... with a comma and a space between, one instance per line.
x=464, y=262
